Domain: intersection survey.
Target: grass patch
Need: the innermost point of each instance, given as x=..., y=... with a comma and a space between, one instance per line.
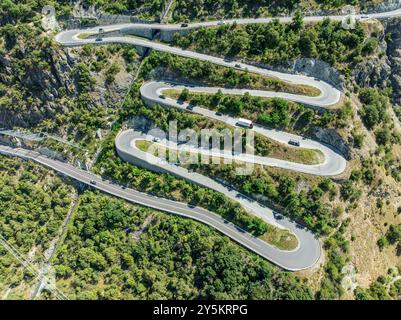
x=281, y=238
x=143, y=145
x=85, y=35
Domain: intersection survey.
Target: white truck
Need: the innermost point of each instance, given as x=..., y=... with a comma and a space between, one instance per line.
x=245, y=123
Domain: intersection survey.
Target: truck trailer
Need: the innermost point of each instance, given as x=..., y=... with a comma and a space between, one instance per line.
x=245, y=123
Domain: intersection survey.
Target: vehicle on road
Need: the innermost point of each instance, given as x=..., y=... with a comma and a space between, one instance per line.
x=294, y=143
x=98, y=40
x=93, y=182
x=245, y=123
x=123, y=147
x=156, y=139
x=190, y=107
x=162, y=96
x=184, y=25
x=219, y=114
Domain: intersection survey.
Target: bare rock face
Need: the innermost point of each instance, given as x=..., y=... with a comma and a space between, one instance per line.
x=38, y=86
x=384, y=70
x=393, y=29
x=313, y=68
x=373, y=73
x=383, y=6
x=333, y=139
x=320, y=70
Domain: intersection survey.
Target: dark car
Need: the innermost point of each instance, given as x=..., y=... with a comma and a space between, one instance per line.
x=294, y=143
x=162, y=97
x=99, y=40
x=184, y=25
x=93, y=182
x=219, y=114
x=238, y=65
x=190, y=107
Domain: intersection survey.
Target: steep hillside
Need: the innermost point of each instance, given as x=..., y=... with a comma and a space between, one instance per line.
x=116, y=250
x=72, y=93
x=223, y=9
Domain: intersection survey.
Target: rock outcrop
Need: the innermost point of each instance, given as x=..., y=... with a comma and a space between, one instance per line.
x=384, y=69
x=38, y=87
x=393, y=30
x=332, y=138
x=39, y=91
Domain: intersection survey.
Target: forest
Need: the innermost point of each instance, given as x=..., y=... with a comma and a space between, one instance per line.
x=274, y=42
x=33, y=205
x=115, y=250
x=226, y=9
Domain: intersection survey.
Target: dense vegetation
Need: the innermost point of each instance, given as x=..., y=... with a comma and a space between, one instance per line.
x=40, y=82
x=144, y=9
x=376, y=117
x=275, y=43
x=217, y=9
x=208, y=73
x=114, y=250
x=33, y=205
x=88, y=113
x=110, y=165
x=273, y=113
x=307, y=206
x=25, y=10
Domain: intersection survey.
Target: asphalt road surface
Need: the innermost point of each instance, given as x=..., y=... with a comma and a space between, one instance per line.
x=333, y=164
x=305, y=256
x=308, y=251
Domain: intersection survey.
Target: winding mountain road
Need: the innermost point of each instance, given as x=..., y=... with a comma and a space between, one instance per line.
x=214, y=23
x=305, y=256
x=308, y=251
x=333, y=164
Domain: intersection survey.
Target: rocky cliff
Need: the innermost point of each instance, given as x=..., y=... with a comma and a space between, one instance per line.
x=384, y=69
x=36, y=83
